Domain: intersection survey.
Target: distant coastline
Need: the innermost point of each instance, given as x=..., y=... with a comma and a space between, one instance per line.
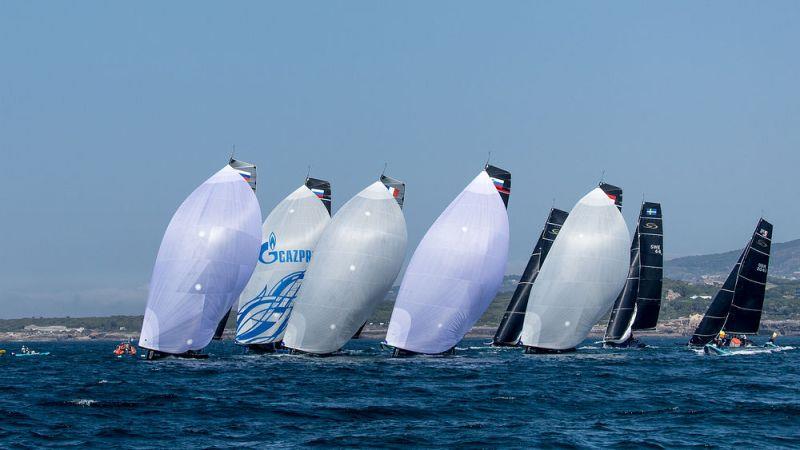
x=35, y=333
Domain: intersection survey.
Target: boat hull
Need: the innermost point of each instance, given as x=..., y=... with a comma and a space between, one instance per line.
x=630, y=343
x=153, y=355
x=547, y=351
x=402, y=353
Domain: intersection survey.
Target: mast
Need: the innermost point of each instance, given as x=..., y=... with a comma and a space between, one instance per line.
x=640, y=299
x=511, y=324
x=456, y=269
x=738, y=304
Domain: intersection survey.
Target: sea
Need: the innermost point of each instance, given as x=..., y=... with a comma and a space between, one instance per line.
x=665, y=396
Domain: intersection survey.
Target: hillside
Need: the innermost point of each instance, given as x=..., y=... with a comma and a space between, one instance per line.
x=780, y=304
x=784, y=263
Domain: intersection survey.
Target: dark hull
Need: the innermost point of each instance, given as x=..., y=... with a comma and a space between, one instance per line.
x=630, y=343
x=294, y=351
x=401, y=353
x=546, y=351
x=264, y=348
x=153, y=355
x=505, y=344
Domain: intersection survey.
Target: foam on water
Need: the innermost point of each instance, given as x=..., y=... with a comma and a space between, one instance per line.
x=481, y=397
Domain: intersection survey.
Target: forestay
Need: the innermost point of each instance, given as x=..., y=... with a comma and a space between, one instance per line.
x=355, y=263
x=580, y=279
x=289, y=236
x=207, y=255
x=456, y=270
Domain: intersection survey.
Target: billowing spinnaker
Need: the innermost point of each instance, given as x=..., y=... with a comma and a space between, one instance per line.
x=580, y=279
x=455, y=272
x=206, y=257
x=289, y=236
x=355, y=263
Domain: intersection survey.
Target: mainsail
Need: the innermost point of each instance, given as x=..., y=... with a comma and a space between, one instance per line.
x=638, y=304
x=456, y=270
x=207, y=255
x=355, y=263
x=289, y=236
x=248, y=172
x=613, y=192
x=583, y=273
x=511, y=324
x=736, y=308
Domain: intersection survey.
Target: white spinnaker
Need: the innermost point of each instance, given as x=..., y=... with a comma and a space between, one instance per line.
x=206, y=257
x=289, y=236
x=455, y=272
x=355, y=263
x=581, y=277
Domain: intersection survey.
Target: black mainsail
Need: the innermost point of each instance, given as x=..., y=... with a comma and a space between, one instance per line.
x=501, y=179
x=511, y=324
x=613, y=192
x=737, y=307
x=638, y=304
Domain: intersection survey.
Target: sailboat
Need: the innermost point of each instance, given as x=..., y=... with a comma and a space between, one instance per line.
x=358, y=257
x=511, y=324
x=638, y=305
x=248, y=172
x=289, y=236
x=736, y=308
x=455, y=271
x=583, y=273
x=208, y=253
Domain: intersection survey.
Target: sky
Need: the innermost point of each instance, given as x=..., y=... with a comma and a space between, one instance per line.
x=111, y=113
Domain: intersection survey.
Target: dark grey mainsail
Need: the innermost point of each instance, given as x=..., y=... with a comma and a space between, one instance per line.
x=651, y=267
x=511, y=324
x=638, y=304
x=737, y=306
x=613, y=192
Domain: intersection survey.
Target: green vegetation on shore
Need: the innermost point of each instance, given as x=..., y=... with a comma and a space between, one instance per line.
x=780, y=304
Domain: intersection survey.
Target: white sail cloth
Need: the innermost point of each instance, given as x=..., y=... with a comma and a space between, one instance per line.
x=206, y=257
x=355, y=263
x=455, y=272
x=581, y=277
x=289, y=236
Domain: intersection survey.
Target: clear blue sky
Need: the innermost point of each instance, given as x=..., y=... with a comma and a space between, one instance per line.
x=112, y=112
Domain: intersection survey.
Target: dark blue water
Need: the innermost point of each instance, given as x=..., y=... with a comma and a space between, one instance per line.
x=660, y=397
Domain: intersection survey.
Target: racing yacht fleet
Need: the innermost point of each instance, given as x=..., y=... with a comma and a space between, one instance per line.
x=307, y=281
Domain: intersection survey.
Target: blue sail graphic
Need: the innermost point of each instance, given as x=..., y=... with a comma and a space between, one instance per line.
x=269, y=309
